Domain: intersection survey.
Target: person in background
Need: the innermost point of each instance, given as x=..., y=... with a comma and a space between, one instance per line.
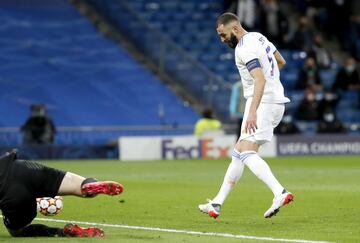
x=347, y=79
x=237, y=106
x=207, y=124
x=308, y=108
x=39, y=127
x=22, y=181
x=330, y=124
x=338, y=20
x=303, y=35
x=273, y=22
x=287, y=126
x=328, y=102
x=309, y=76
x=320, y=53
x=230, y=5
x=246, y=10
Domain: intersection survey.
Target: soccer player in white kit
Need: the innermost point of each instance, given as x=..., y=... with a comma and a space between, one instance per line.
x=258, y=63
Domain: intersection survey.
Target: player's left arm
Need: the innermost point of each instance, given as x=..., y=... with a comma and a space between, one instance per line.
x=279, y=59
x=259, y=85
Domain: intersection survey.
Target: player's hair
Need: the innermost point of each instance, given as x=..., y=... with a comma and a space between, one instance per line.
x=207, y=113
x=226, y=18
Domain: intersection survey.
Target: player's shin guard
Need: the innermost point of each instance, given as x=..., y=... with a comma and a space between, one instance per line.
x=232, y=176
x=262, y=170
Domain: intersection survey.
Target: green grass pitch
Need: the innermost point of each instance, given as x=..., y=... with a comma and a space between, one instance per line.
x=165, y=194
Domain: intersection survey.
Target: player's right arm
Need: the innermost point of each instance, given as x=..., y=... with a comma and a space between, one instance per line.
x=259, y=85
x=279, y=59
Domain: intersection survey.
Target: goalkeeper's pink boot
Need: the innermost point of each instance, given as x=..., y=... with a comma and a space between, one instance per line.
x=74, y=230
x=102, y=187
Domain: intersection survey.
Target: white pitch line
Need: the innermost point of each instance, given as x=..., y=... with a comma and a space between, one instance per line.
x=225, y=235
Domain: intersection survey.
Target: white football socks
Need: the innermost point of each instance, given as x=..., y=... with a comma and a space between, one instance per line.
x=235, y=170
x=261, y=169
x=232, y=176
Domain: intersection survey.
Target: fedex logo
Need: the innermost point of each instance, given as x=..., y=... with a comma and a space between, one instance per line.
x=202, y=148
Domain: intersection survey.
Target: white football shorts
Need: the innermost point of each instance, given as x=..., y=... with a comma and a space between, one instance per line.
x=268, y=117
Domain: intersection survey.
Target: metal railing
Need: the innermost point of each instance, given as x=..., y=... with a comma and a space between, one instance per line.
x=96, y=134
x=92, y=135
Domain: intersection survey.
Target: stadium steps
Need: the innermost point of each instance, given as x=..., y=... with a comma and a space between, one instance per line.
x=51, y=54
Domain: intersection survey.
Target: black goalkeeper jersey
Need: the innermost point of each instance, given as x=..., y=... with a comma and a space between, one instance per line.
x=6, y=161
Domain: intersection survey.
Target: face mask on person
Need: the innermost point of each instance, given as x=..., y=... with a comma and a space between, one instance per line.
x=350, y=68
x=329, y=97
x=329, y=117
x=310, y=97
x=287, y=119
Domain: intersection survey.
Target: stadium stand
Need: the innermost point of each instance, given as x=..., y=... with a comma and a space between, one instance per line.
x=51, y=54
x=190, y=25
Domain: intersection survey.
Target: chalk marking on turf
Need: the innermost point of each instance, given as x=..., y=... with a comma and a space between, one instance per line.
x=226, y=235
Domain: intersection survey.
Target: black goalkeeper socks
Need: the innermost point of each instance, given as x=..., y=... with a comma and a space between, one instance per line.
x=88, y=180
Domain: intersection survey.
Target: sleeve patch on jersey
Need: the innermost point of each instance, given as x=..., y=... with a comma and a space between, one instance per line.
x=254, y=63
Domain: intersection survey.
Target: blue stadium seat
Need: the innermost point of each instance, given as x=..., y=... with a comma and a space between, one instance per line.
x=51, y=54
x=327, y=78
x=350, y=95
x=188, y=6
x=348, y=114
x=289, y=79
x=358, y=48
x=307, y=127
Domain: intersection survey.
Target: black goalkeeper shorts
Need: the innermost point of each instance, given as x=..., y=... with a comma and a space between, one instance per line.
x=26, y=181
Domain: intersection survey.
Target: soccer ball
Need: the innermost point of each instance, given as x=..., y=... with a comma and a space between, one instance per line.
x=49, y=206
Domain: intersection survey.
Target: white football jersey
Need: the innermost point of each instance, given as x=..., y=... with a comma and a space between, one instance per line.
x=254, y=50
